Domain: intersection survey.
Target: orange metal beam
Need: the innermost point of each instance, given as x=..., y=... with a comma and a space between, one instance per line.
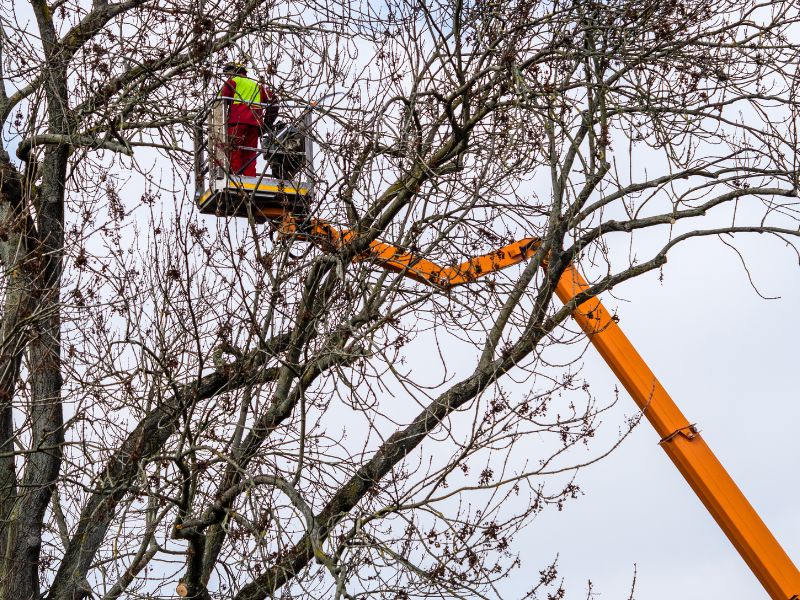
x=679, y=438
x=416, y=267
x=685, y=447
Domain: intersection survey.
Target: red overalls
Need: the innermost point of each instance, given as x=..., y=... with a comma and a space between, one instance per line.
x=245, y=121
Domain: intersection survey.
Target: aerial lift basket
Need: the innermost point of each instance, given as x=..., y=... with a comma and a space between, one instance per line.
x=287, y=152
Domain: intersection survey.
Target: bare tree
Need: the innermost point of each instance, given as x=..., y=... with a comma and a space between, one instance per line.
x=197, y=402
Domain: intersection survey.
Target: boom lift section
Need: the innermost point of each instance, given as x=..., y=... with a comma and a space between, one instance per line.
x=679, y=438
x=284, y=202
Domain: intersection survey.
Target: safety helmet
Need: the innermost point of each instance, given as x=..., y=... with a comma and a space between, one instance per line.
x=234, y=68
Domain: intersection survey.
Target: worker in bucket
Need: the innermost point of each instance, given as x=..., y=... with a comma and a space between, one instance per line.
x=250, y=109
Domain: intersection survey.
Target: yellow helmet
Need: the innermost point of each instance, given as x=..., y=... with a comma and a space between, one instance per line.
x=234, y=68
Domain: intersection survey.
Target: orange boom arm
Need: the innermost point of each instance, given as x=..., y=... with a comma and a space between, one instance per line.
x=685, y=447
x=679, y=438
x=420, y=269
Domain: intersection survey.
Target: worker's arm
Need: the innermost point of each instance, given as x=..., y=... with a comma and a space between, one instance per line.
x=227, y=92
x=228, y=89
x=270, y=108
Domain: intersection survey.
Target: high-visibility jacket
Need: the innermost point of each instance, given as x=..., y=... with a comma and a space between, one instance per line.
x=242, y=91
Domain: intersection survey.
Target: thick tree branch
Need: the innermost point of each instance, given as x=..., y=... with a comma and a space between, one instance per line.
x=76, y=141
x=145, y=440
